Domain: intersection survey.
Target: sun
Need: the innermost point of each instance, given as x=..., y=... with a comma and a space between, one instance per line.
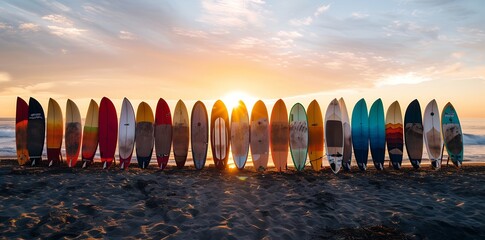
x=231, y=100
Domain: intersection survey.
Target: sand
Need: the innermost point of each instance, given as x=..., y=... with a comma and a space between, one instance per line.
x=62, y=203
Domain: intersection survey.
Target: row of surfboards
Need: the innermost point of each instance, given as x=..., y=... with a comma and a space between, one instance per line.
x=303, y=131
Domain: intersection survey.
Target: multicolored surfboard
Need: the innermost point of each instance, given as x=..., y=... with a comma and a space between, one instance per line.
x=334, y=136
x=413, y=133
x=73, y=133
x=199, y=130
x=180, y=133
x=394, y=134
x=240, y=135
x=54, y=133
x=279, y=135
x=108, y=131
x=452, y=134
x=163, y=133
x=21, y=122
x=220, y=134
x=127, y=130
x=360, y=134
x=432, y=133
x=35, y=132
x=298, y=122
x=347, y=155
x=90, y=134
x=315, y=135
x=144, y=134
x=377, y=134
x=259, y=136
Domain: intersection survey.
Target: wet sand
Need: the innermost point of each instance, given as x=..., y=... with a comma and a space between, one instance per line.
x=63, y=203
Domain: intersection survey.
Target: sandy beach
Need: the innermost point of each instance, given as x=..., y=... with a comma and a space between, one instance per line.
x=63, y=203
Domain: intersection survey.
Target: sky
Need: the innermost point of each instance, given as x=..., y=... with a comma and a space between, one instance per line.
x=250, y=49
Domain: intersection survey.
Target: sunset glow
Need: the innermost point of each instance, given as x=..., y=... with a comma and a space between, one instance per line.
x=246, y=49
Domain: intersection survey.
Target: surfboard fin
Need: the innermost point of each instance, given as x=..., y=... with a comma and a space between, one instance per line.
x=105, y=165
x=33, y=162
x=143, y=167
x=51, y=162
x=85, y=164
x=122, y=166
x=70, y=162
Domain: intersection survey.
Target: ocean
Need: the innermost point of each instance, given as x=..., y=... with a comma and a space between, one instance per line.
x=473, y=129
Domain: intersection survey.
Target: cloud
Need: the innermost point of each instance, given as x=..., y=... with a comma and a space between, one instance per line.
x=29, y=27
x=66, y=31
x=5, y=26
x=401, y=79
x=125, y=35
x=407, y=28
x=322, y=9
x=59, y=19
x=358, y=15
x=301, y=21
x=190, y=33
x=248, y=42
x=4, y=77
x=232, y=13
x=292, y=34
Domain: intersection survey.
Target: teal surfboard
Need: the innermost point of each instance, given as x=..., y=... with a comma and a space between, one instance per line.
x=377, y=134
x=452, y=134
x=298, y=136
x=360, y=133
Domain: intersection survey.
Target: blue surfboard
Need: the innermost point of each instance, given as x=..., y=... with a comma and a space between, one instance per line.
x=377, y=134
x=413, y=133
x=360, y=133
x=452, y=134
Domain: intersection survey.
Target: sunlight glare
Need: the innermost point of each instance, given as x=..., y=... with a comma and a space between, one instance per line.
x=231, y=100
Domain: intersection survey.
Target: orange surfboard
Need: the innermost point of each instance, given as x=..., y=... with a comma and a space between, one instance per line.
x=54, y=133
x=90, y=134
x=279, y=135
x=315, y=135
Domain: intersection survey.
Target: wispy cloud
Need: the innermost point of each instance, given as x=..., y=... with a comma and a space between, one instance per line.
x=29, y=27
x=125, y=35
x=190, y=33
x=402, y=79
x=4, y=77
x=59, y=19
x=321, y=10
x=301, y=21
x=66, y=31
x=232, y=13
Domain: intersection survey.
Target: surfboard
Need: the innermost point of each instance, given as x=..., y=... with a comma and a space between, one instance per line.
x=163, y=133
x=199, y=131
x=259, y=136
x=90, y=134
x=413, y=133
x=377, y=134
x=54, y=133
x=360, y=134
x=394, y=135
x=334, y=136
x=315, y=135
x=240, y=135
x=279, y=135
x=180, y=133
x=432, y=133
x=21, y=121
x=126, y=132
x=73, y=135
x=108, y=131
x=347, y=154
x=144, y=134
x=452, y=134
x=35, y=132
x=298, y=122
x=220, y=134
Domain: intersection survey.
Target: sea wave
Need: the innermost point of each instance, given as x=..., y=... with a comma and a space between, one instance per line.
x=7, y=133
x=472, y=139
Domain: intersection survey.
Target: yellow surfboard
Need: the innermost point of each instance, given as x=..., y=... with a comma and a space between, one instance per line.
x=315, y=135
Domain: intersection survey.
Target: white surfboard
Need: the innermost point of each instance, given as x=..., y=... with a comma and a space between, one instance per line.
x=126, y=140
x=347, y=152
x=334, y=136
x=432, y=133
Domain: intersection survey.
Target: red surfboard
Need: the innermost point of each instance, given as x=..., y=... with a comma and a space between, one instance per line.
x=163, y=133
x=108, y=131
x=21, y=119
